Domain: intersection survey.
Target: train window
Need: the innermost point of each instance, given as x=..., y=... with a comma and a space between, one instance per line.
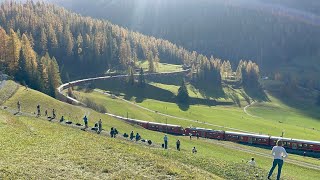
x=289, y=143
x=241, y=138
x=310, y=145
x=259, y=139
x=300, y=145
x=284, y=143
x=264, y=140
x=254, y=139
x=305, y=145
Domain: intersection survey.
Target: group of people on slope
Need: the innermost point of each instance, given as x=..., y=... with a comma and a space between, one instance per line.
x=178, y=144
x=278, y=152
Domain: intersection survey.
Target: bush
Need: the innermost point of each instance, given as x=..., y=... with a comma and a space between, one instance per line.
x=97, y=107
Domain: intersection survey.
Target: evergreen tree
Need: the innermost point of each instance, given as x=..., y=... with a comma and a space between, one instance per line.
x=43, y=45
x=53, y=77
x=131, y=76
x=14, y=47
x=183, y=95
x=141, y=80
x=21, y=75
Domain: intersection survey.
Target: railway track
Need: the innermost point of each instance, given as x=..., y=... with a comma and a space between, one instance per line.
x=67, y=85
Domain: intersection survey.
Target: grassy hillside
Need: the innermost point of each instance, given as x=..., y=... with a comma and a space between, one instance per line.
x=33, y=145
x=32, y=148
x=222, y=115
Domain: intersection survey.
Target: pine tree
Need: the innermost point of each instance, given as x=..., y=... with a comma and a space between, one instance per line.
x=141, y=80
x=183, y=95
x=131, y=76
x=53, y=77
x=22, y=75
x=43, y=46
x=14, y=47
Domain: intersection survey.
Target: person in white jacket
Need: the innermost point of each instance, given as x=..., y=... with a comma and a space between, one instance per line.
x=278, y=153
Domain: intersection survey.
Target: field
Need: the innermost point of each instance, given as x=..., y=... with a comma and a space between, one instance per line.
x=32, y=145
x=296, y=125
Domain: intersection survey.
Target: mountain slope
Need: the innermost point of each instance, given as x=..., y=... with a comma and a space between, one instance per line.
x=275, y=34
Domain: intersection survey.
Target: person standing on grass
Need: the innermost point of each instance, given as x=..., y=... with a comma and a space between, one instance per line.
x=165, y=139
x=85, y=120
x=99, y=126
x=46, y=113
x=190, y=135
x=19, y=106
x=53, y=114
x=278, y=153
x=115, y=132
x=112, y=132
x=197, y=135
x=131, y=135
x=178, y=145
x=38, y=110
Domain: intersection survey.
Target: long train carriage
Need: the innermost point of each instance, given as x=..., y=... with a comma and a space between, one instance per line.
x=297, y=144
x=205, y=133
x=254, y=139
x=167, y=128
x=247, y=138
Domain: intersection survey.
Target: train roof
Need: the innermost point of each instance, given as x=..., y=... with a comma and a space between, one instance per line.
x=247, y=134
x=203, y=129
x=162, y=124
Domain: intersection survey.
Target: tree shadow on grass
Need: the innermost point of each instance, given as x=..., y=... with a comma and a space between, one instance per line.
x=183, y=106
x=209, y=91
x=257, y=94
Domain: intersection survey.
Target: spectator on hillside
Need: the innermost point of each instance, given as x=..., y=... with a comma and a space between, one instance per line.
x=85, y=120
x=278, y=153
x=38, y=110
x=252, y=162
x=165, y=139
x=112, y=132
x=19, y=106
x=62, y=119
x=194, y=150
x=131, y=135
x=178, y=145
x=115, y=132
x=53, y=114
x=99, y=126
x=138, y=137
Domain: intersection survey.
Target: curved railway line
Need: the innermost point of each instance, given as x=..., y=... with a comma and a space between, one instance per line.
x=65, y=97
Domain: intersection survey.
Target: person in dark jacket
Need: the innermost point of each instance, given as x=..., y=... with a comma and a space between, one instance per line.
x=131, y=135
x=178, y=145
x=112, y=132
x=115, y=132
x=85, y=120
x=138, y=137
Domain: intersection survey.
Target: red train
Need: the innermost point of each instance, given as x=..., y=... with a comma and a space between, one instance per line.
x=238, y=137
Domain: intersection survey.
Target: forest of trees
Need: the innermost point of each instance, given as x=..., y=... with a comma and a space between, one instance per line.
x=82, y=46
x=19, y=60
x=281, y=35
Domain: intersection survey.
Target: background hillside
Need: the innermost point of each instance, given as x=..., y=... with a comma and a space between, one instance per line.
x=282, y=36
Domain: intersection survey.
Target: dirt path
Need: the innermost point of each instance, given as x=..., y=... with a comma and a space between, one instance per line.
x=245, y=110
